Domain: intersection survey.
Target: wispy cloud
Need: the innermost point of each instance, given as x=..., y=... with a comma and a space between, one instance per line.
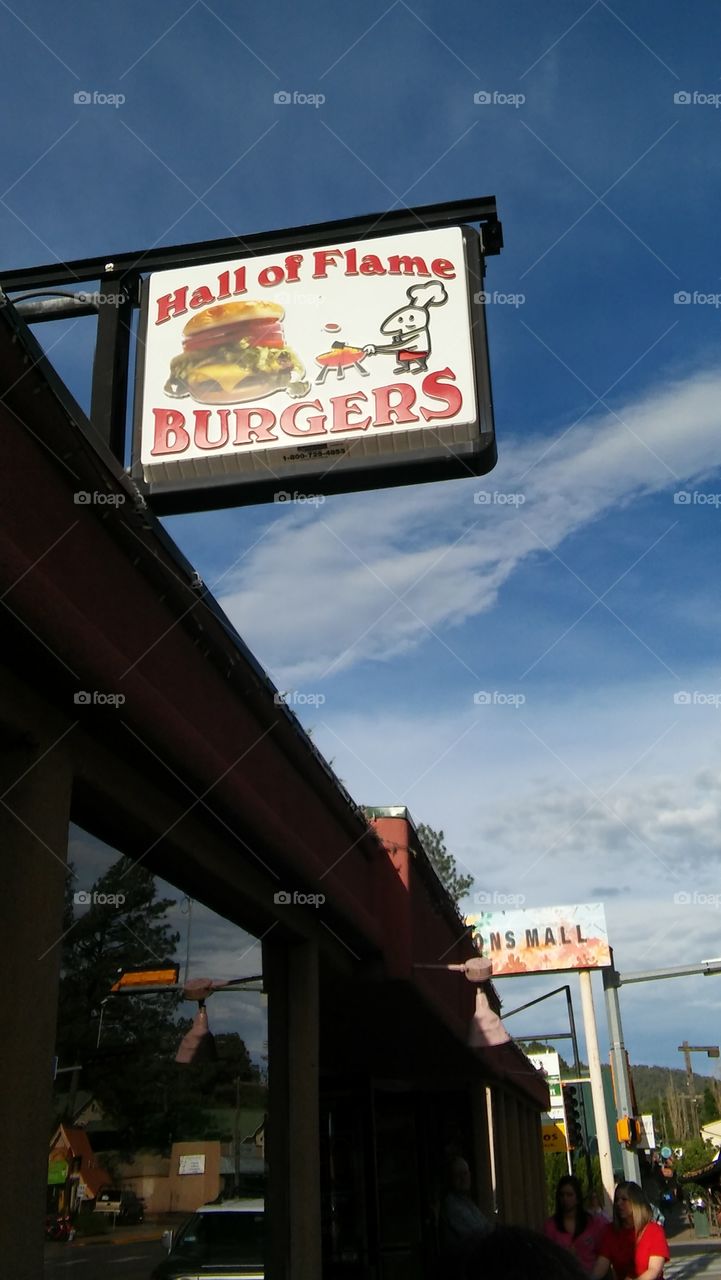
x=373, y=576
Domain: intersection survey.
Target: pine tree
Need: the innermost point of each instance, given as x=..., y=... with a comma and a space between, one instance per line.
x=444, y=863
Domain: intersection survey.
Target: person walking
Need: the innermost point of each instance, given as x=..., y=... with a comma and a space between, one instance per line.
x=633, y=1244
x=572, y=1227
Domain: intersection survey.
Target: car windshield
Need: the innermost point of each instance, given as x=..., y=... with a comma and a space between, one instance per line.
x=222, y=1237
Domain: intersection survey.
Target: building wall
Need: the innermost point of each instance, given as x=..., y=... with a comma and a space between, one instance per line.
x=186, y=1192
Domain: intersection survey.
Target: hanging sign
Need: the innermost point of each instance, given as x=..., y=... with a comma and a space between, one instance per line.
x=320, y=370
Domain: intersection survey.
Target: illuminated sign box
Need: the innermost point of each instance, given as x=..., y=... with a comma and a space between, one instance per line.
x=544, y=939
x=137, y=978
x=326, y=369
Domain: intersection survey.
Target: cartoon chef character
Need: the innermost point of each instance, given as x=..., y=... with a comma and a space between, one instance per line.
x=410, y=328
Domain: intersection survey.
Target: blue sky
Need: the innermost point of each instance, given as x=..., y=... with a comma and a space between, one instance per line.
x=594, y=596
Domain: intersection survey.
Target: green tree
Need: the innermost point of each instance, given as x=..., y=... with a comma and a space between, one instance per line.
x=124, y=1058
x=709, y=1106
x=696, y=1155
x=444, y=863
x=128, y=1061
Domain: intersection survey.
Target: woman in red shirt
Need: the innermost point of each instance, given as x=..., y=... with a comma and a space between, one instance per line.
x=634, y=1245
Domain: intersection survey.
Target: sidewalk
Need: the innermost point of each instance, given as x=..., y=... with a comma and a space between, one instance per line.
x=143, y=1232
x=682, y=1237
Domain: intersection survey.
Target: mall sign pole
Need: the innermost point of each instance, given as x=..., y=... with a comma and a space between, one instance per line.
x=597, y=1094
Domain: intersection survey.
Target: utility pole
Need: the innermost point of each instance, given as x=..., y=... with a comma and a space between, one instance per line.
x=621, y=1080
x=711, y=1051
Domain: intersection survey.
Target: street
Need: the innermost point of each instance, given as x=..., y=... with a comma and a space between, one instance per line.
x=102, y=1261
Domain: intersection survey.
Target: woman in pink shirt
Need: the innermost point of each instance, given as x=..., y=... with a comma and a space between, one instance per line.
x=572, y=1227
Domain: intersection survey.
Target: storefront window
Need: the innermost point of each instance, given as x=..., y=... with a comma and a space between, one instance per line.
x=156, y=1111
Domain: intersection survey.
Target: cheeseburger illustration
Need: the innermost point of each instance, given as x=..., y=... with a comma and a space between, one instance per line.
x=235, y=352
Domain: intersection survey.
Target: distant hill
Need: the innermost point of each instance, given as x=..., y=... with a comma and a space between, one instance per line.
x=650, y=1083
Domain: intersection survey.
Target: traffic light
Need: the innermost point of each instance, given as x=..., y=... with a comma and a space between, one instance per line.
x=572, y=1109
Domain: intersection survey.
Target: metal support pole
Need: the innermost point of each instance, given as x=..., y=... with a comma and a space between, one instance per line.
x=597, y=1094
x=624, y=1102
x=577, y=1070
x=109, y=398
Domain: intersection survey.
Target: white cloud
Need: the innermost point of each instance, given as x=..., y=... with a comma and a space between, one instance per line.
x=367, y=576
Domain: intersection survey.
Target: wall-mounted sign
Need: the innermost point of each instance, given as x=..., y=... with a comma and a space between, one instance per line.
x=322, y=370
x=544, y=939
x=57, y=1168
x=191, y=1164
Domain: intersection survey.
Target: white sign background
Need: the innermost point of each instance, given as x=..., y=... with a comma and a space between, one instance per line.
x=550, y=1065
x=358, y=303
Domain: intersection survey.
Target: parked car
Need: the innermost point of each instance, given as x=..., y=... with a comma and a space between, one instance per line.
x=124, y=1204
x=223, y=1240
